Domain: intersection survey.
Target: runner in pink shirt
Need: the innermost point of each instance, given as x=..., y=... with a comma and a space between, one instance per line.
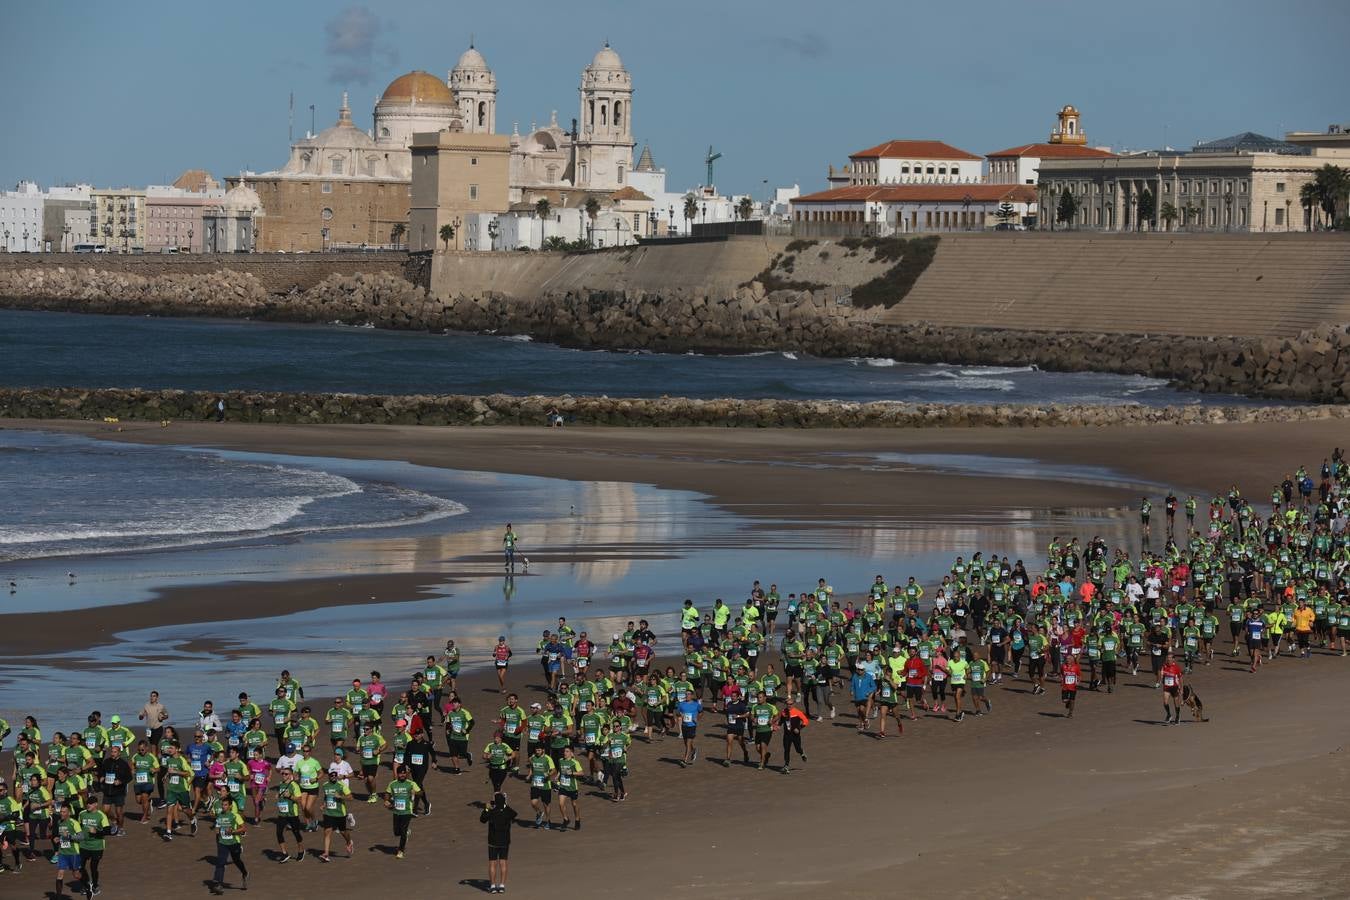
x=259, y=777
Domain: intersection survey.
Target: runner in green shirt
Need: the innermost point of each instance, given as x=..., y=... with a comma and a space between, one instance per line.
x=144, y=766
x=763, y=717
x=339, y=719
x=958, y=671
x=542, y=771
x=400, y=797
x=370, y=745
x=177, y=791
x=569, y=786
x=230, y=828
x=94, y=828
x=66, y=836
x=498, y=756
x=335, y=797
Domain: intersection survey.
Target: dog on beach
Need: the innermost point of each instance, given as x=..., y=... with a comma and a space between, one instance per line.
x=1192, y=699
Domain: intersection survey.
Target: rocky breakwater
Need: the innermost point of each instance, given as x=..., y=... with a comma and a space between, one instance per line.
x=167, y=406
x=383, y=299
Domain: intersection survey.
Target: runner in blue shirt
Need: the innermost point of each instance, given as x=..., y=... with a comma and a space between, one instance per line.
x=864, y=685
x=688, y=710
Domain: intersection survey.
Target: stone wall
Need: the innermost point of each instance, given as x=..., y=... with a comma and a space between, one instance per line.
x=501, y=409
x=276, y=273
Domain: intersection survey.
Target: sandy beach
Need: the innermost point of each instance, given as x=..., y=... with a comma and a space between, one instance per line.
x=1251, y=803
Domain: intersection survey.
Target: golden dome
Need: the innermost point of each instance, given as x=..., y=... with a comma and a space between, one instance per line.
x=420, y=86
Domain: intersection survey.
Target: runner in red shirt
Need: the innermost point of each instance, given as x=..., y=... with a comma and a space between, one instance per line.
x=1171, y=685
x=1069, y=676
x=916, y=675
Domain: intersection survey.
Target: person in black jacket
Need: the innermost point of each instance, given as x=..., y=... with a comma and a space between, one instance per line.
x=498, y=817
x=115, y=775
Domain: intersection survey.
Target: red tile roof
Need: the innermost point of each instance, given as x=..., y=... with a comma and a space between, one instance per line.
x=913, y=150
x=1054, y=151
x=923, y=193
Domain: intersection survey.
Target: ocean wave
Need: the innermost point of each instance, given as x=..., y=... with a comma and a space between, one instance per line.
x=132, y=541
x=788, y=354
x=516, y=338
x=998, y=370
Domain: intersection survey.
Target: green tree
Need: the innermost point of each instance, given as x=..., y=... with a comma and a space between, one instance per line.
x=1146, y=209
x=447, y=234
x=494, y=229
x=1067, y=210
x=1168, y=214
x=745, y=208
x=592, y=211
x=1190, y=215
x=1310, y=198
x=557, y=242
x=1333, y=191
x=1006, y=213
x=690, y=211
x=542, y=207
x=397, y=232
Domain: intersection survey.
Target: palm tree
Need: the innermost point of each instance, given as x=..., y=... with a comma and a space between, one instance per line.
x=1310, y=198
x=1333, y=186
x=592, y=208
x=690, y=210
x=1190, y=214
x=1168, y=214
x=542, y=208
x=745, y=208
x=447, y=233
x=397, y=232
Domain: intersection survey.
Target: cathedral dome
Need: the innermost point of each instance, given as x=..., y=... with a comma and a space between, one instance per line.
x=606, y=59
x=471, y=59
x=241, y=198
x=420, y=87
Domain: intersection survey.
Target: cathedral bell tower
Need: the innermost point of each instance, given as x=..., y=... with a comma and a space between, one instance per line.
x=1069, y=130
x=604, y=148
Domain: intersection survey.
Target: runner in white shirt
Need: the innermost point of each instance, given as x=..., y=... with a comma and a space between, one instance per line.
x=341, y=767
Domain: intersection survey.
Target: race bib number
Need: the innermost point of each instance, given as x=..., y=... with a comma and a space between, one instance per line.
x=400, y=804
x=330, y=803
x=1070, y=679
x=418, y=759
x=142, y=777
x=1169, y=681
x=110, y=778
x=537, y=781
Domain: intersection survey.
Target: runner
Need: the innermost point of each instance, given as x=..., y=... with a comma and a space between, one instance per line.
x=737, y=712
x=501, y=659
x=509, y=541
x=66, y=836
x=288, y=817
x=791, y=720
x=1171, y=681
x=1069, y=677
x=689, y=710
x=335, y=797
x=94, y=829
x=230, y=829
x=569, y=786
x=401, y=797
x=498, y=755
x=617, y=741
x=543, y=772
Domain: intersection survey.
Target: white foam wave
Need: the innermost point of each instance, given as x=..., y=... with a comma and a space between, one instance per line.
x=788, y=354
x=517, y=338
x=998, y=370
x=881, y=363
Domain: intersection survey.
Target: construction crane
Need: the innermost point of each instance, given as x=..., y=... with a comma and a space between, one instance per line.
x=711, y=158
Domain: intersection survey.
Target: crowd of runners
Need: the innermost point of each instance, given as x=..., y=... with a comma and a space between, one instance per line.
x=765, y=670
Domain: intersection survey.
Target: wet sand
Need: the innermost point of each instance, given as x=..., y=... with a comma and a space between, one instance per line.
x=1252, y=803
x=1110, y=803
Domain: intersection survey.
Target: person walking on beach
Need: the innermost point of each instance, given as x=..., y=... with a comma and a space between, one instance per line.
x=498, y=817
x=220, y=409
x=154, y=715
x=509, y=540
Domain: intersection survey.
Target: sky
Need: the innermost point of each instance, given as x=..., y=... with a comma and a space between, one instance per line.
x=133, y=93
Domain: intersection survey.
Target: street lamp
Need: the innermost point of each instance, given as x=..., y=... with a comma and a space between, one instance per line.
x=65, y=237
x=6, y=240
x=1228, y=211
x=25, y=240
x=651, y=223
x=1134, y=212
x=323, y=240
x=189, y=238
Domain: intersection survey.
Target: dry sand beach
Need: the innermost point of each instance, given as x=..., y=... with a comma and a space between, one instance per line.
x=1022, y=802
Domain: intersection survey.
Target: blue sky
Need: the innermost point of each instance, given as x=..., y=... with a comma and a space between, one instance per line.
x=135, y=92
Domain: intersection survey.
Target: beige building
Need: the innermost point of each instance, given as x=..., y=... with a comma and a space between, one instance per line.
x=1247, y=182
x=454, y=175
x=117, y=219
x=339, y=189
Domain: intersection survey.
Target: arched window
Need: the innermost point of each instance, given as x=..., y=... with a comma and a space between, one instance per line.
x=590, y=114
x=620, y=170
x=604, y=115
x=482, y=113
x=618, y=116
